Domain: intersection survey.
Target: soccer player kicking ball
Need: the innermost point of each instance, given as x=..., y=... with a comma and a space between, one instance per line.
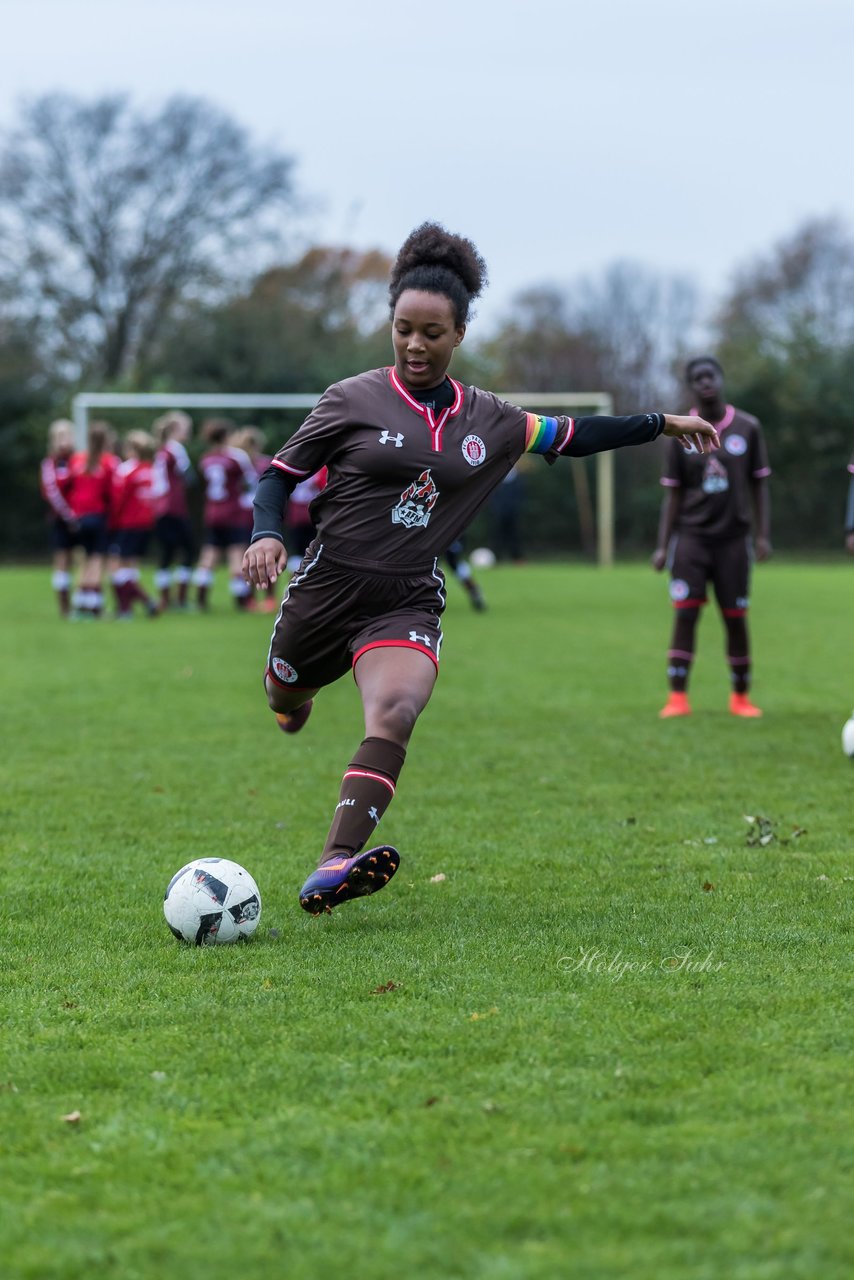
x=711, y=505
x=412, y=456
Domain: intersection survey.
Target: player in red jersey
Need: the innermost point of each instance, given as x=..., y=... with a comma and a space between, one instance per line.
x=55, y=481
x=228, y=475
x=133, y=514
x=172, y=474
x=253, y=443
x=704, y=535
x=89, y=496
x=412, y=456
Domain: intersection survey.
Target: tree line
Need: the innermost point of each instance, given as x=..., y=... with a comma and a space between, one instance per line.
x=155, y=251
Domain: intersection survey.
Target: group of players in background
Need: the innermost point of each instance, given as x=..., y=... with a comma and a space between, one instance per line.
x=113, y=505
x=108, y=508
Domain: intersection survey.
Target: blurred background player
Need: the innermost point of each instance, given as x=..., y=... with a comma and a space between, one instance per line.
x=228, y=476
x=505, y=507
x=171, y=476
x=90, y=497
x=299, y=526
x=711, y=505
x=849, y=511
x=456, y=558
x=132, y=522
x=55, y=479
x=253, y=442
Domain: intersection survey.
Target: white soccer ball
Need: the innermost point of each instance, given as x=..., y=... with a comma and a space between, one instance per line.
x=848, y=737
x=212, y=900
x=482, y=558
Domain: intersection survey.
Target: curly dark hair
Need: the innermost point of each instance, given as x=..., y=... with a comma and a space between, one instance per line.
x=436, y=261
x=692, y=364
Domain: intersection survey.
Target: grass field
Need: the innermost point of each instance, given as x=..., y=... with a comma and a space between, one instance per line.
x=613, y=1042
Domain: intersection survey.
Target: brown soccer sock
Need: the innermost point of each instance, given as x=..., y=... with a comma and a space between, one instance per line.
x=680, y=655
x=367, y=789
x=738, y=652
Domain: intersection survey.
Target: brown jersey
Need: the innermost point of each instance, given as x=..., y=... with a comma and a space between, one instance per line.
x=404, y=481
x=716, y=488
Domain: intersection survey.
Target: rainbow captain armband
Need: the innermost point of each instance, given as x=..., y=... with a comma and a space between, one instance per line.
x=540, y=433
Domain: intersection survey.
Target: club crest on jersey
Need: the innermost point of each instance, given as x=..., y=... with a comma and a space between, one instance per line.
x=474, y=450
x=416, y=503
x=283, y=671
x=679, y=589
x=736, y=445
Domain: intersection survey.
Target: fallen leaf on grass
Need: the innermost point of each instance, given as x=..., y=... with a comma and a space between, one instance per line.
x=7, y=1086
x=438, y=878
x=431, y=1102
x=384, y=987
x=158, y=1075
x=477, y=1017
x=707, y=886
x=825, y=878
x=73, y=1117
x=762, y=832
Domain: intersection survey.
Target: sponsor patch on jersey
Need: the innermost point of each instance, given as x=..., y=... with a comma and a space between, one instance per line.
x=736, y=445
x=284, y=671
x=416, y=503
x=679, y=589
x=474, y=450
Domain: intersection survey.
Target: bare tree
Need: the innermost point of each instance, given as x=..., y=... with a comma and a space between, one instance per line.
x=109, y=216
x=621, y=332
x=802, y=292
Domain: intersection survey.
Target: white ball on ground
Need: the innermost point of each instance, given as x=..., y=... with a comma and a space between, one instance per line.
x=848, y=737
x=212, y=900
x=482, y=558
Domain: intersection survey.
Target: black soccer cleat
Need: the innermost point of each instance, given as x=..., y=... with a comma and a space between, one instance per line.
x=340, y=879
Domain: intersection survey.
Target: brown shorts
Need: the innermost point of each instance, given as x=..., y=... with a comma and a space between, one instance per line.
x=333, y=612
x=694, y=561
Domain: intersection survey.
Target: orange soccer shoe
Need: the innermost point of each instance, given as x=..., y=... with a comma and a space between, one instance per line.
x=677, y=704
x=740, y=705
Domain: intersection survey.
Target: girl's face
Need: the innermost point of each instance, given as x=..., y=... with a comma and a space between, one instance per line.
x=424, y=335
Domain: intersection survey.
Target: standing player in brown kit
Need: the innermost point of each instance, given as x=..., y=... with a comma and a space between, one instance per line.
x=704, y=535
x=412, y=456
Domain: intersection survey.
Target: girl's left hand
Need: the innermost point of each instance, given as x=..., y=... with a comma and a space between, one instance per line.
x=694, y=434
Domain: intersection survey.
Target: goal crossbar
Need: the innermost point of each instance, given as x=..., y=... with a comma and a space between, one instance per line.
x=597, y=402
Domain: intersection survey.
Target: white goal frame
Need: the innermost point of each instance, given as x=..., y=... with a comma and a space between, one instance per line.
x=596, y=402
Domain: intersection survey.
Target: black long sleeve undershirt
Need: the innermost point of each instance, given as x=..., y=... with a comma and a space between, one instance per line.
x=271, y=499
x=598, y=435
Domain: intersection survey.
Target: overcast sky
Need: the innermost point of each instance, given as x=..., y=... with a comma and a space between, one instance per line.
x=559, y=136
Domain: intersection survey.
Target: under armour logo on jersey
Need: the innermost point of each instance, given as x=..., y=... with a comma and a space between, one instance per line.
x=388, y=438
x=417, y=639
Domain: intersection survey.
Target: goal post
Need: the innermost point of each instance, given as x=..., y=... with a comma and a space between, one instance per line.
x=594, y=402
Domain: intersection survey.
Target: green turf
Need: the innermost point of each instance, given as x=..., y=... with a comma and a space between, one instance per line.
x=617, y=1040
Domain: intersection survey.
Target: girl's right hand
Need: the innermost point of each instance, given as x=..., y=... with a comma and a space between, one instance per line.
x=264, y=561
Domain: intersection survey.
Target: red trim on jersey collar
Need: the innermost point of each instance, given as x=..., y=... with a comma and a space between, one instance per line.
x=436, y=425
x=726, y=420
